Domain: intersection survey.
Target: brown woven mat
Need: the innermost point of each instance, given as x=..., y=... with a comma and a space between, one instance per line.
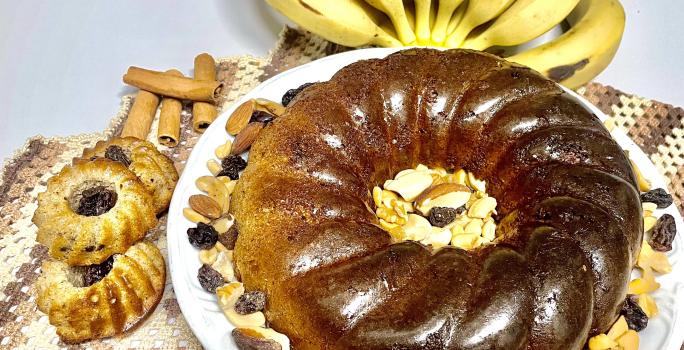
x=656, y=127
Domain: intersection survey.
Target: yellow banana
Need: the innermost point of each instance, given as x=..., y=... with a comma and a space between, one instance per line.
x=523, y=21
x=478, y=12
x=582, y=52
x=444, y=13
x=396, y=12
x=457, y=17
x=346, y=22
x=423, y=9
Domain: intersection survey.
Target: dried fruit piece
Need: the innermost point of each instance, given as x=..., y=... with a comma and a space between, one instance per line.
x=442, y=216
x=290, y=94
x=231, y=167
x=261, y=117
x=643, y=184
x=94, y=273
x=602, y=342
x=243, y=140
x=240, y=117
x=619, y=328
x=250, y=302
x=229, y=238
x=205, y=206
x=663, y=233
x=636, y=317
x=117, y=154
x=203, y=236
x=658, y=196
x=96, y=201
x=209, y=278
x=648, y=304
x=629, y=340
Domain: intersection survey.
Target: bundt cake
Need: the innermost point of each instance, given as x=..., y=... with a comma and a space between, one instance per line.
x=92, y=210
x=154, y=169
x=569, y=212
x=104, y=300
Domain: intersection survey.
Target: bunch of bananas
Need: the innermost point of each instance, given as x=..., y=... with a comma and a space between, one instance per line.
x=573, y=58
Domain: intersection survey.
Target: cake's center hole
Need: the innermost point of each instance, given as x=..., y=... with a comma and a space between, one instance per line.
x=437, y=208
x=117, y=154
x=93, y=198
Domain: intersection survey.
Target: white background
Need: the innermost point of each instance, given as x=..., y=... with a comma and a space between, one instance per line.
x=61, y=62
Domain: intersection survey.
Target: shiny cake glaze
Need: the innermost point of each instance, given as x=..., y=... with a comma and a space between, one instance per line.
x=570, y=212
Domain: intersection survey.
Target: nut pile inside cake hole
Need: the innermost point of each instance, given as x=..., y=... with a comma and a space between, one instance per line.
x=437, y=208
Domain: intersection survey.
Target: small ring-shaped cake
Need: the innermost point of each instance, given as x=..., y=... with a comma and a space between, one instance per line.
x=129, y=288
x=154, y=169
x=91, y=211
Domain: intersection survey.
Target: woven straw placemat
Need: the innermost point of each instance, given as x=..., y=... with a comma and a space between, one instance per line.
x=655, y=126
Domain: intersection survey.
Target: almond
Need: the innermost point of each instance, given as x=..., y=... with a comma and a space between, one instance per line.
x=243, y=140
x=439, y=190
x=205, y=206
x=240, y=117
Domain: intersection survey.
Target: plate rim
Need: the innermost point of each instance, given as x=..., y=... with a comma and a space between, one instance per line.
x=195, y=319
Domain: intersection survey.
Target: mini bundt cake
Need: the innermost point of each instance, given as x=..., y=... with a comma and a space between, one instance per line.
x=154, y=169
x=92, y=210
x=102, y=300
x=570, y=216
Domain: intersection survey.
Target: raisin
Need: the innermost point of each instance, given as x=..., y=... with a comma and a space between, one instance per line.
x=261, y=117
x=203, y=236
x=658, y=196
x=442, y=216
x=636, y=317
x=117, y=154
x=209, y=278
x=663, y=233
x=229, y=238
x=290, y=94
x=96, y=201
x=231, y=167
x=250, y=302
x=94, y=273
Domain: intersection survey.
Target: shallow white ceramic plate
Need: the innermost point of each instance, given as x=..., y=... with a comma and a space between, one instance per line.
x=201, y=309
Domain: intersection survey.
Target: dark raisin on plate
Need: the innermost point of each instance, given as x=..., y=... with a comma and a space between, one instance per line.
x=209, y=278
x=96, y=201
x=203, y=236
x=442, y=216
x=229, y=238
x=231, y=166
x=636, y=317
x=663, y=233
x=250, y=302
x=261, y=117
x=292, y=93
x=94, y=273
x=117, y=154
x=658, y=196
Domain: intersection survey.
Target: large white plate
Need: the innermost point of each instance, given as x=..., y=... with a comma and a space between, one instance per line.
x=200, y=308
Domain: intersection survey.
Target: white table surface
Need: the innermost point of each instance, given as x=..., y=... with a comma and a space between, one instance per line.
x=61, y=62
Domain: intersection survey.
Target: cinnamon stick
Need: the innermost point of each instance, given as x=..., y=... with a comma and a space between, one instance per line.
x=141, y=115
x=168, y=85
x=168, y=132
x=203, y=114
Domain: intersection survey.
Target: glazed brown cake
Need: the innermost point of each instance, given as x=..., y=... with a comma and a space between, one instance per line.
x=570, y=212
